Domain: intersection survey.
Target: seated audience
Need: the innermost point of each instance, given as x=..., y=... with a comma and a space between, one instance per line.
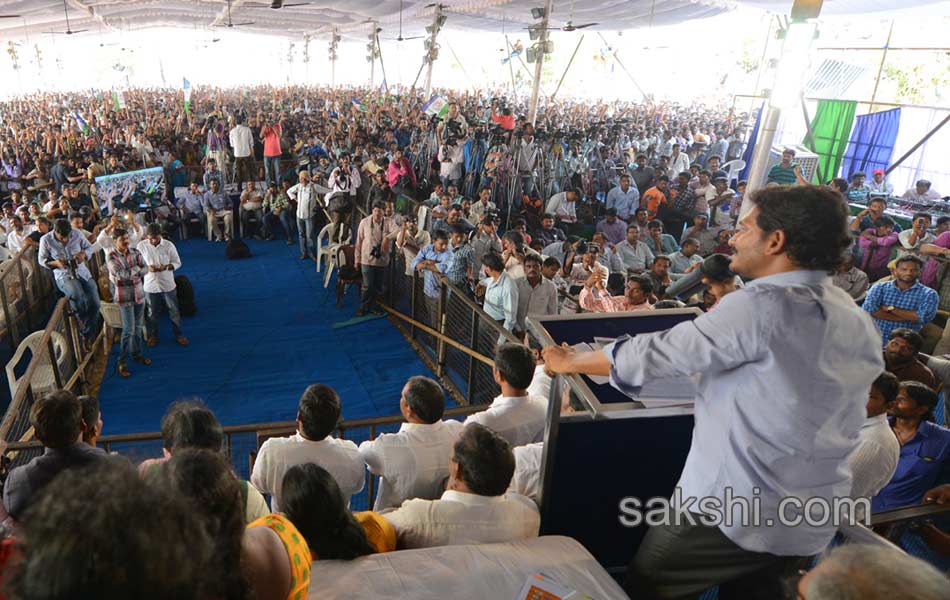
x=413, y=462
x=315, y=505
x=659, y=275
x=659, y=243
x=527, y=476
x=91, y=420
x=874, y=461
x=921, y=193
x=548, y=233
x=57, y=423
x=686, y=260
x=318, y=414
x=613, y=228
x=925, y=447
x=913, y=239
x=850, y=278
x=717, y=276
x=203, y=479
x=900, y=358
x=877, y=244
x=190, y=424
x=902, y=302
x=514, y=415
x=865, y=572
x=635, y=254
x=474, y=509
x=596, y=297
x=86, y=540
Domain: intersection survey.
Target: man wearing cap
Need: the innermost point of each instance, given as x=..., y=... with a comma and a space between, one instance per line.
x=921, y=192
x=858, y=192
x=624, y=198
x=879, y=185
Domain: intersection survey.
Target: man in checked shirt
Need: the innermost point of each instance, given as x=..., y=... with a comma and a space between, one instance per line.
x=126, y=270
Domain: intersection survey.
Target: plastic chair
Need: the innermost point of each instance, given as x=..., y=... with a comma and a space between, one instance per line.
x=346, y=257
x=733, y=168
x=44, y=378
x=329, y=250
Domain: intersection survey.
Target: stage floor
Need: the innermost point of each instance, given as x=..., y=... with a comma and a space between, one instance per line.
x=261, y=335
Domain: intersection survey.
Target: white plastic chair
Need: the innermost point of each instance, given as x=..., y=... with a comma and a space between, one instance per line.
x=329, y=250
x=733, y=168
x=44, y=378
x=112, y=317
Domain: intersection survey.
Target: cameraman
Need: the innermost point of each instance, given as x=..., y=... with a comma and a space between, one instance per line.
x=65, y=251
x=451, y=157
x=373, y=240
x=454, y=124
x=504, y=117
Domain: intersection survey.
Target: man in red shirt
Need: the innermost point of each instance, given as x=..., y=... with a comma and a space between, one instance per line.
x=270, y=134
x=505, y=120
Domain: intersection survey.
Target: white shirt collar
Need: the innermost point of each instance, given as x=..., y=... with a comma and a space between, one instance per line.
x=469, y=499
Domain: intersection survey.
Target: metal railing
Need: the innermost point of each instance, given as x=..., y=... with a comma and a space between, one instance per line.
x=26, y=294
x=242, y=443
x=57, y=360
x=449, y=331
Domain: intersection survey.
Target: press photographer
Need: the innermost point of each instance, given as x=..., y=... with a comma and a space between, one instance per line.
x=451, y=159
x=65, y=252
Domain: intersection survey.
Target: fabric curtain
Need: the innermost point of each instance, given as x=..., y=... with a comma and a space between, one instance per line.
x=930, y=160
x=872, y=143
x=831, y=127
x=750, y=148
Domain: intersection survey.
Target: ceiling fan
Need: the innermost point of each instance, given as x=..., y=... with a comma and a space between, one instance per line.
x=275, y=4
x=9, y=16
x=400, y=38
x=68, y=30
x=569, y=26
x=229, y=24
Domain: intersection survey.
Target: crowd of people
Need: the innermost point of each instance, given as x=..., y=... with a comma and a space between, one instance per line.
x=500, y=209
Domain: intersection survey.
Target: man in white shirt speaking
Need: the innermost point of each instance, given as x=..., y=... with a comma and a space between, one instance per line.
x=242, y=144
x=474, y=508
x=414, y=462
x=514, y=415
x=317, y=416
x=162, y=259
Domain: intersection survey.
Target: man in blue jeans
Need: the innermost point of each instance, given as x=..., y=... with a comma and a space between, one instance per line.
x=309, y=209
x=126, y=271
x=65, y=251
x=374, y=240
x=161, y=258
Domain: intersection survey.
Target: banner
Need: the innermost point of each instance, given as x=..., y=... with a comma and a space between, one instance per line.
x=118, y=100
x=359, y=105
x=437, y=105
x=186, y=87
x=81, y=123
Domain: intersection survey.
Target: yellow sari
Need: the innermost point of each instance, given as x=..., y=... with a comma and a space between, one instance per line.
x=297, y=551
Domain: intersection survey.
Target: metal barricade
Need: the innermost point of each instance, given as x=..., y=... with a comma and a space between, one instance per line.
x=26, y=294
x=55, y=359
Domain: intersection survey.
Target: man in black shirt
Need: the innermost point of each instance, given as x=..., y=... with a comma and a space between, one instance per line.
x=57, y=423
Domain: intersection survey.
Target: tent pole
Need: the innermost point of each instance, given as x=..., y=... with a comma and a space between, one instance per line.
x=567, y=68
x=880, y=69
x=922, y=141
x=539, y=63
x=432, y=52
x=802, y=11
x=811, y=137
x=511, y=68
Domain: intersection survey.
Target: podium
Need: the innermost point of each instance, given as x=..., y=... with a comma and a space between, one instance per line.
x=616, y=449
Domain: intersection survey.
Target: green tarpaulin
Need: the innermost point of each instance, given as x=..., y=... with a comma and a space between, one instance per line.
x=832, y=131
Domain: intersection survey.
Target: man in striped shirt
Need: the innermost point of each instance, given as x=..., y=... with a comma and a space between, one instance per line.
x=786, y=172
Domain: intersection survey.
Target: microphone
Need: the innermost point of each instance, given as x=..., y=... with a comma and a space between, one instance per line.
x=715, y=267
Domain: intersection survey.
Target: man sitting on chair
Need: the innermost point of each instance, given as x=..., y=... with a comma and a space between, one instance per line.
x=190, y=208
x=217, y=205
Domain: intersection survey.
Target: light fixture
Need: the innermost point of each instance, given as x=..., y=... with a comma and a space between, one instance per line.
x=428, y=28
x=537, y=13
x=277, y=3
x=549, y=46
x=534, y=33
x=442, y=21
x=531, y=55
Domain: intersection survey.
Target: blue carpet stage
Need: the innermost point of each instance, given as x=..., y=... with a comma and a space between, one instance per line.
x=261, y=335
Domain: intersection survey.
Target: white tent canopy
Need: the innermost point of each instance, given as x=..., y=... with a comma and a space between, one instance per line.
x=319, y=17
